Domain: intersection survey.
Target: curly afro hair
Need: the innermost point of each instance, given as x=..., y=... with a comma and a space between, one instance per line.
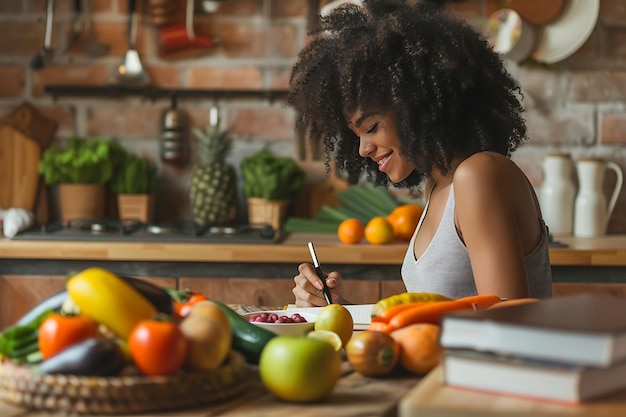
x=449, y=90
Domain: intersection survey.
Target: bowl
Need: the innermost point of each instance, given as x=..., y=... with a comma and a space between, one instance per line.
x=285, y=329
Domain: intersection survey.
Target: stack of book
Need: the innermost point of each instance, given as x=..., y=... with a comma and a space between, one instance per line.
x=567, y=349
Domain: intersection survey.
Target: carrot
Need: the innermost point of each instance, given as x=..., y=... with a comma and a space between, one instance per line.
x=379, y=319
x=389, y=312
x=427, y=313
x=481, y=301
x=379, y=326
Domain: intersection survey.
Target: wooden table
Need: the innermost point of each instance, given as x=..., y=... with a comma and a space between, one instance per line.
x=354, y=395
x=430, y=398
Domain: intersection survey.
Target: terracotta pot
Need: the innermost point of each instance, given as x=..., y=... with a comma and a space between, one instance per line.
x=84, y=201
x=136, y=207
x=262, y=212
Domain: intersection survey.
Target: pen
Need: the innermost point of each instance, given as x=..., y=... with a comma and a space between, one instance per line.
x=320, y=274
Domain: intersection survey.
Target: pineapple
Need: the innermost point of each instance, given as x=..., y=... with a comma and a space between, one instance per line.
x=213, y=188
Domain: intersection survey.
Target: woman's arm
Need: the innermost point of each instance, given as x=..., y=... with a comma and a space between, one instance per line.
x=496, y=215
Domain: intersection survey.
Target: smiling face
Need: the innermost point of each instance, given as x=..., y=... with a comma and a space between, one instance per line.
x=378, y=140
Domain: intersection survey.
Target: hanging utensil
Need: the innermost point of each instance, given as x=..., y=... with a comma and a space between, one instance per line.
x=182, y=37
x=91, y=46
x=174, y=132
x=45, y=54
x=131, y=72
x=75, y=29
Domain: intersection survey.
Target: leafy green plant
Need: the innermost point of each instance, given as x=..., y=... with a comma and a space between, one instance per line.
x=81, y=162
x=272, y=178
x=135, y=175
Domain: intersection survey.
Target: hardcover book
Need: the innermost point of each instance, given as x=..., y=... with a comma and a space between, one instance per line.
x=585, y=329
x=530, y=378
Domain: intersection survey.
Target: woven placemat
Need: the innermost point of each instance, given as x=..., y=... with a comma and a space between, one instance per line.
x=124, y=394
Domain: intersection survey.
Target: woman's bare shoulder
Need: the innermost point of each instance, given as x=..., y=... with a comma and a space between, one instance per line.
x=485, y=168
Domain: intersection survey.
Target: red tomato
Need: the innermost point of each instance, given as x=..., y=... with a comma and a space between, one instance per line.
x=157, y=347
x=58, y=332
x=183, y=308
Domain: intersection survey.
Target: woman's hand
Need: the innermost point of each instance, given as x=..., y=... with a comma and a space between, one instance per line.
x=308, y=289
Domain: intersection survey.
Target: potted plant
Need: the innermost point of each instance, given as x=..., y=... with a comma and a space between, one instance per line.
x=81, y=170
x=270, y=182
x=135, y=182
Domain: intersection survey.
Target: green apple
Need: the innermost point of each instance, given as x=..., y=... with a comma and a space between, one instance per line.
x=299, y=369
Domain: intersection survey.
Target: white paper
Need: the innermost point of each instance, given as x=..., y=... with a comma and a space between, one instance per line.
x=361, y=313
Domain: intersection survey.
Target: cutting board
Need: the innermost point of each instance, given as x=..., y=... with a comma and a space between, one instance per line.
x=536, y=12
x=19, y=179
x=430, y=398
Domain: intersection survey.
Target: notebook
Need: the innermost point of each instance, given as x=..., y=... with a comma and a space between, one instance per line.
x=361, y=313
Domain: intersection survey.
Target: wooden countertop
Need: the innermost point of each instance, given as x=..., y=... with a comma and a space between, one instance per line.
x=601, y=251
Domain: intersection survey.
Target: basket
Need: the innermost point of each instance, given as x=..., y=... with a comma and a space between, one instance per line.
x=124, y=394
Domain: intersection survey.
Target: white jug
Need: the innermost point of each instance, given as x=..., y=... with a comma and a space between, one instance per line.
x=591, y=211
x=557, y=194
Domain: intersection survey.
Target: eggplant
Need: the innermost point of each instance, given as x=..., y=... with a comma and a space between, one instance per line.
x=161, y=300
x=91, y=357
x=54, y=303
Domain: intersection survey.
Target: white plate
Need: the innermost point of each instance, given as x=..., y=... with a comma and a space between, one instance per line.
x=292, y=329
x=565, y=35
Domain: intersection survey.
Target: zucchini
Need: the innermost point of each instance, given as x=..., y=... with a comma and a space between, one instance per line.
x=161, y=300
x=247, y=338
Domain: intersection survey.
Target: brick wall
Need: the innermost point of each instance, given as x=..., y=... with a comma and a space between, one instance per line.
x=578, y=105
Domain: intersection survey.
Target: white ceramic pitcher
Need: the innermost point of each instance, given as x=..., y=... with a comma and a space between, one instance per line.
x=592, y=213
x=557, y=194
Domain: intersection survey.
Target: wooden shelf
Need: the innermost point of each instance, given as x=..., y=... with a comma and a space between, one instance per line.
x=155, y=92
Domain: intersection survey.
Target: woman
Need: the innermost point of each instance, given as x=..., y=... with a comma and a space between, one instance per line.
x=405, y=94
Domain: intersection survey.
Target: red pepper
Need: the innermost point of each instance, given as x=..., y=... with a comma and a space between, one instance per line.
x=182, y=308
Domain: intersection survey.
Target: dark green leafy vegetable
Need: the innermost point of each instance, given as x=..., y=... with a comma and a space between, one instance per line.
x=272, y=178
x=82, y=162
x=135, y=175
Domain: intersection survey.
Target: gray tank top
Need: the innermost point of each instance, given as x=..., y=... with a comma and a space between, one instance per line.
x=444, y=267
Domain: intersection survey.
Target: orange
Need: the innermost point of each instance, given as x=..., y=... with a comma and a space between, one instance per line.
x=351, y=231
x=379, y=231
x=419, y=347
x=404, y=220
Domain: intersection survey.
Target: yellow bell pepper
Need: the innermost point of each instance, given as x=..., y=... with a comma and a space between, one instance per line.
x=109, y=300
x=404, y=298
